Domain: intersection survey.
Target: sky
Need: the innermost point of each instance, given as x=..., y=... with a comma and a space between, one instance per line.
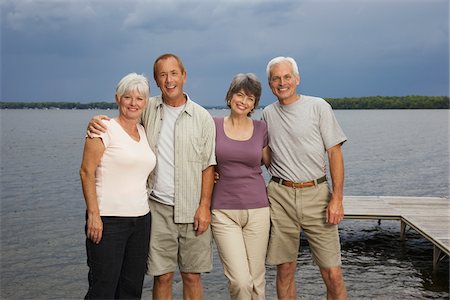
x=77, y=50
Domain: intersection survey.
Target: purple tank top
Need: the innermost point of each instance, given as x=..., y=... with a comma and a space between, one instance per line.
x=241, y=184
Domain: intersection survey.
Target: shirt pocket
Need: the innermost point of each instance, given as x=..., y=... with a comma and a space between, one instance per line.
x=196, y=147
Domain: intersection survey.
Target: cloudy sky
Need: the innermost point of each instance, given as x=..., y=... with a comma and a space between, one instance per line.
x=77, y=50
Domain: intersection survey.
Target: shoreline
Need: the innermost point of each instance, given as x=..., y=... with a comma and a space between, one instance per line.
x=351, y=103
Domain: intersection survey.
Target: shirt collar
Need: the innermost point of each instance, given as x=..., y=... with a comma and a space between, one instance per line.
x=188, y=107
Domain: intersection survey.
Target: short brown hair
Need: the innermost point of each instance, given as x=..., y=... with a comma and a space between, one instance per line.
x=249, y=83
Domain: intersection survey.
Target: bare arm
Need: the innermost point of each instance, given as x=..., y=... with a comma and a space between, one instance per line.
x=96, y=126
x=266, y=156
x=335, y=209
x=93, y=151
x=203, y=214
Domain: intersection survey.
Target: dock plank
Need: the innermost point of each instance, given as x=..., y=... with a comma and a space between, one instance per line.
x=429, y=216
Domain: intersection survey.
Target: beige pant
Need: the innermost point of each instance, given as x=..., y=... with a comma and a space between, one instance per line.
x=241, y=236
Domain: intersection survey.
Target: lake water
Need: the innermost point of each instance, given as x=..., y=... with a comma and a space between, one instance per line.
x=389, y=152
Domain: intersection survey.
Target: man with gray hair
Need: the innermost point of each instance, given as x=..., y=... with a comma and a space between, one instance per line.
x=301, y=130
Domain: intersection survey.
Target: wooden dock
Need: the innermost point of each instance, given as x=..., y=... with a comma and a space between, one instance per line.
x=429, y=216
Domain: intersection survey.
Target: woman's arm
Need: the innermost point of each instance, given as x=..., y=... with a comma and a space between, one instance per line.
x=92, y=154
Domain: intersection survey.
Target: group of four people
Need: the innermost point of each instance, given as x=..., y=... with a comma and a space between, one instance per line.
x=173, y=176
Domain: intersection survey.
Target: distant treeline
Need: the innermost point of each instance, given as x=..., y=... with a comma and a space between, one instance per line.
x=374, y=102
x=60, y=105
x=386, y=102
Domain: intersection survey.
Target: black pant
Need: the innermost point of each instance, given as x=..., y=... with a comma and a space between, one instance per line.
x=118, y=263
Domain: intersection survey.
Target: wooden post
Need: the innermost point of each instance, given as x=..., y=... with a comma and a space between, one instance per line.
x=402, y=230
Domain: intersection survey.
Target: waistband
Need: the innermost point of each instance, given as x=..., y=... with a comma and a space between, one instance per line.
x=299, y=185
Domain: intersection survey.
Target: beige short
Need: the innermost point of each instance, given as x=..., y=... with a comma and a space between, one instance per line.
x=296, y=209
x=173, y=245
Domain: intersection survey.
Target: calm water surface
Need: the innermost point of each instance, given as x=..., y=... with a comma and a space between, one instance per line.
x=389, y=152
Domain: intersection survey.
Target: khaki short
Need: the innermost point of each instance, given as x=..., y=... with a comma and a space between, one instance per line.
x=293, y=210
x=173, y=245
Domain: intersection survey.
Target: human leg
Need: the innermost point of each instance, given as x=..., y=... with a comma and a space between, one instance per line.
x=192, y=286
x=256, y=237
x=284, y=240
x=286, y=288
x=162, y=286
x=163, y=253
x=105, y=259
x=227, y=230
x=135, y=258
x=194, y=257
x=334, y=280
x=323, y=239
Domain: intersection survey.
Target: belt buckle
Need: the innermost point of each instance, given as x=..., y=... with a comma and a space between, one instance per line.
x=301, y=185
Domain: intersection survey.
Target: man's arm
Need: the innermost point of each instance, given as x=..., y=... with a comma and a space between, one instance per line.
x=96, y=126
x=202, y=216
x=335, y=209
x=266, y=156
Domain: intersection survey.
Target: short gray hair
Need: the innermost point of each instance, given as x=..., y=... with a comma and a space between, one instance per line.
x=281, y=59
x=133, y=82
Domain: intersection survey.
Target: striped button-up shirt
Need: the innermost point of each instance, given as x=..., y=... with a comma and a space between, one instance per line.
x=194, y=151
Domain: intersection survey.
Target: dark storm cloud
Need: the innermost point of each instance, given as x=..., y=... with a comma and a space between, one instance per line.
x=67, y=50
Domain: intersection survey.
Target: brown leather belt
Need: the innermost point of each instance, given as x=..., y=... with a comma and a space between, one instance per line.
x=299, y=185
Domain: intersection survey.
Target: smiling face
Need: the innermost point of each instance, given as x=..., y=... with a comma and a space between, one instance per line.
x=242, y=103
x=283, y=82
x=170, y=78
x=243, y=94
x=131, y=104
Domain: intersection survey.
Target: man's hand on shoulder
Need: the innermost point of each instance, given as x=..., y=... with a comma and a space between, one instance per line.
x=96, y=126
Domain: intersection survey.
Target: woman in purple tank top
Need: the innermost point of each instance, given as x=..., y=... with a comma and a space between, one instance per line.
x=240, y=218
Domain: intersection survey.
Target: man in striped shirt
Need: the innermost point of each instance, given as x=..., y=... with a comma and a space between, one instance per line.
x=182, y=135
